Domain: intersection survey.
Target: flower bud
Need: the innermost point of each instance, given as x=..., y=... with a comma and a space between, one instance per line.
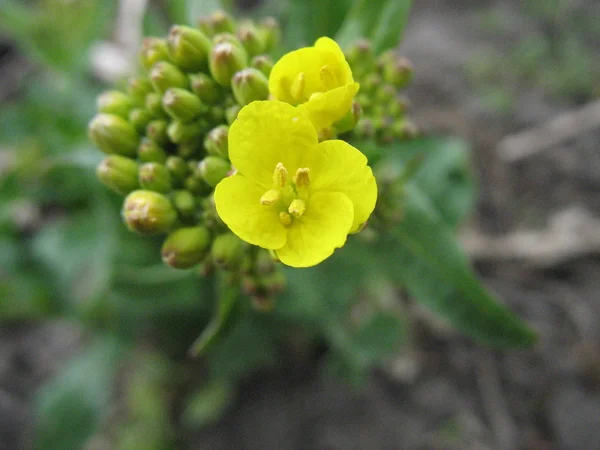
x=262, y=63
x=221, y=22
x=227, y=38
x=150, y=151
x=188, y=47
x=274, y=283
x=182, y=132
x=118, y=173
x=252, y=40
x=225, y=60
x=155, y=177
x=113, y=134
x=269, y=28
x=147, y=212
x=397, y=106
x=154, y=105
x=164, y=75
x=349, y=121
x=204, y=25
x=365, y=129
x=184, y=202
x=205, y=88
x=249, y=85
x=384, y=94
x=153, y=50
x=231, y=113
x=185, y=247
x=398, y=72
x=404, y=129
x=138, y=88
x=216, y=142
x=157, y=131
x=182, y=105
x=114, y=102
x=213, y=169
x=216, y=115
x=196, y=185
x=264, y=262
x=140, y=118
x=189, y=149
x=361, y=57
x=177, y=168
x=227, y=250
x=249, y=285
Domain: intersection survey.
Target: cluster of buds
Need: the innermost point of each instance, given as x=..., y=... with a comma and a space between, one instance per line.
x=382, y=79
x=166, y=140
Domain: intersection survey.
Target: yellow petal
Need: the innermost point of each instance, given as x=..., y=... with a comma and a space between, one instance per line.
x=237, y=199
x=319, y=231
x=328, y=44
x=325, y=109
x=266, y=133
x=336, y=166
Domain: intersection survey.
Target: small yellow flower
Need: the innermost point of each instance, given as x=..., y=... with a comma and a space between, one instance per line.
x=318, y=79
x=292, y=194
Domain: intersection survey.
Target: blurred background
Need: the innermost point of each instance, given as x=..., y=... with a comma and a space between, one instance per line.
x=518, y=81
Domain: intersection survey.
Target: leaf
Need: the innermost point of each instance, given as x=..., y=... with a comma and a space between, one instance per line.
x=382, y=21
x=72, y=405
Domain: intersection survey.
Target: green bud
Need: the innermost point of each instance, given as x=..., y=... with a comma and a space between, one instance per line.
x=221, y=22
x=274, y=283
x=182, y=132
x=154, y=105
x=227, y=250
x=397, y=106
x=177, y=168
x=157, y=131
x=204, y=25
x=153, y=50
x=185, y=247
x=213, y=169
x=189, y=149
x=189, y=47
x=231, y=113
x=150, y=151
x=227, y=38
x=207, y=267
x=404, y=129
x=252, y=40
x=398, y=72
x=385, y=93
x=118, y=173
x=364, y=129
x=155, y=177
x=164, y=75
x=182, y=105
x=361, y=57
x=114, y=102
x=264, y=262
x=225, y=60
x=196, y=185
x=249, y=285
x=205, y=88
x=138, y=88
x=140, y=118
x=184, y=202
x=349, y=121
x=216, y=142
x=371, y=83
x=249, y=85
x=216, y=114
x=271, y=32
x=147, y=212
x=262, y=63
x=113, y=134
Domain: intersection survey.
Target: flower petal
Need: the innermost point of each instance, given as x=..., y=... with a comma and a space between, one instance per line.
x=237, y=199
x=328, y=44
x=266, y=133
x=336, y=166
x=319, y=231
x=325, y=109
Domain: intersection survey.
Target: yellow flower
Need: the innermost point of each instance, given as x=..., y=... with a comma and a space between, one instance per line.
x=318, y=79
x=292, y=194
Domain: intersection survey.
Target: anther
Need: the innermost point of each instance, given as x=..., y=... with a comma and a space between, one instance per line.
x=328, y=78
x=297, y=87
x=285, y=218
x=270, y=197
x=280, y=175
x=297, y=208
x=302, y=177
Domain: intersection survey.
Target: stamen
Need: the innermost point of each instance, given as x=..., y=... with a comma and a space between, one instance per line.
x=302, y=177
x=280, y=175
x=285, y=218
x=270, y=197
x=297, y=208
x=328, y=78
x=297, y=87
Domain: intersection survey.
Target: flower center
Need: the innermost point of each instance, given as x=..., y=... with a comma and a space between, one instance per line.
x=289, y=197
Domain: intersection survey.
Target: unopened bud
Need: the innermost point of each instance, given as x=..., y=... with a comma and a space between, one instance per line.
x=252, y=40
x=155, y=177
x=349, y=121
x=216, y=142
x=118, y=173
x=157, y=131
x=154, y=105
x=182, y=105
x=204, y=25
x=231, y=113
x=165, y=75
x=364, y=129
x=249, y=285
x=138, y=88
x=189, y=149
x=182, y=132
x=185, y=247
x=150, y=151
x=398, y=72
x=227, y=250
x=264, y=262
x=384, y=94
x=216, y=114
x=227, y=38
x=147, y=212
x=371, y=82
x=140, y=118
x=189, y=47
x=113, y=134
x=271, y=32
x=397, y=106
x=196, y=186
x=177, y=168
x=184, y=202
x=405, y=129
x=213, y=169
x=221, y=22
x=225, y=60
x=360, y=56
x=153, y=50
x=262, y=63
x=205, y=88
x=249, y=85
x=274, y=283
x=114, y=102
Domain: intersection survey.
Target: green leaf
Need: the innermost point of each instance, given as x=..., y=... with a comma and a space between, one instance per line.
x=382, y=21
x=423, y=254
x=72, y=405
